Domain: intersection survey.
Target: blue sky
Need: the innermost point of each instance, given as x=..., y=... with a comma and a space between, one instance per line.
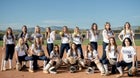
x=82, y=13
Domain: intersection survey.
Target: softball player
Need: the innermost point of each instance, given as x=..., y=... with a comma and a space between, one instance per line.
x=38, y=53
x=65, y=39
x=37, y=34
x=127, y=32
x=112, y=55
x=8, y=46
x=127, y=56
x=54, y=62
x=107, y=33
x=24, y=34
x=92, y=59
x=21, y=53
x=73, y=58
x=78, y=39
x=92, y=35
x=50, y=37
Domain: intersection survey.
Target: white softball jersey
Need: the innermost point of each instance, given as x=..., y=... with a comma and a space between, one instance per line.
x=8, y=39
x=73, y=53
x=92, y=37
x=36, y=35
x=111, y=53
x=107, y=33
x=54, y=54
x=92, y=55
x=21, y=51
x=128, y=53
x=77, y=39
x=37, y=50
x=51, y=38
x=127, y=35
x=66, y=38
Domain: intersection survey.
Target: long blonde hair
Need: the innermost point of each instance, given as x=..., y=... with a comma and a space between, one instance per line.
x=35, y=43
x=21, y=45
x=36, y=29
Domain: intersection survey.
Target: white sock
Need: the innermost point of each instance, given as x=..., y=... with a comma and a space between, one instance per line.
x=44, y=64
x=10, y=63
x=120, y=70
x=4, y=64
x=100, y=67
x=31, y=64
x=47, y=66
x=105, y=67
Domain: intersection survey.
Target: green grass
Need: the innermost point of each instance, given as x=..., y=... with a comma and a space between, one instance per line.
x=86, y=42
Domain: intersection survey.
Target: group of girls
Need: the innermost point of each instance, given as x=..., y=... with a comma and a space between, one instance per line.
x=72, y=43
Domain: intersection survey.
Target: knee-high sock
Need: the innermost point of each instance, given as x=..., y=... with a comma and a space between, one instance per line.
x=10, y=63
x=47, y=66
x=31, y=64
x=44, y=64
x=100, y=67
x=106, y=68
x=4, y=64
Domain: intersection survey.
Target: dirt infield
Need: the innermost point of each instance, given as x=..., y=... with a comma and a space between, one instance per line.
x=62, y=71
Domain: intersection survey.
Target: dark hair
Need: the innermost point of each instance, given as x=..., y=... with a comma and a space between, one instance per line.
x=94, y=31
x=47, y=33
x=55, y=47
x=22, y=33
x=115, y=45
x=123, y=44
x=71, y=49
x=9, y=28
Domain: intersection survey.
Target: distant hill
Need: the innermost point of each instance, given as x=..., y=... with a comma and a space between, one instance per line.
x=60, y=28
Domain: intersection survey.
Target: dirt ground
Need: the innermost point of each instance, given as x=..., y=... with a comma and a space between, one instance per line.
x=62, y=71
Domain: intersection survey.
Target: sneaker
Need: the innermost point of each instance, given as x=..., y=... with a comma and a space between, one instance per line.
x=10, y=67
x=72, y=69
x=90, y=70
x=31, y=70
x=52, y=70
x=3, y=69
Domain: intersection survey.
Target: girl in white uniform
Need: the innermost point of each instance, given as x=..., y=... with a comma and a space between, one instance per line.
x=21, y=53
x=92, y=35
x=24, y=34
x=127, y=56
x=112, y=55
x=127, y=32
x=65, y=40
x=74, y=55
x=8, y=46
x=37, y=34
x=50, y=37
x=78, y=39
x=38, y=53
x=54, y=62
x=92, y=59
x=107, y=33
